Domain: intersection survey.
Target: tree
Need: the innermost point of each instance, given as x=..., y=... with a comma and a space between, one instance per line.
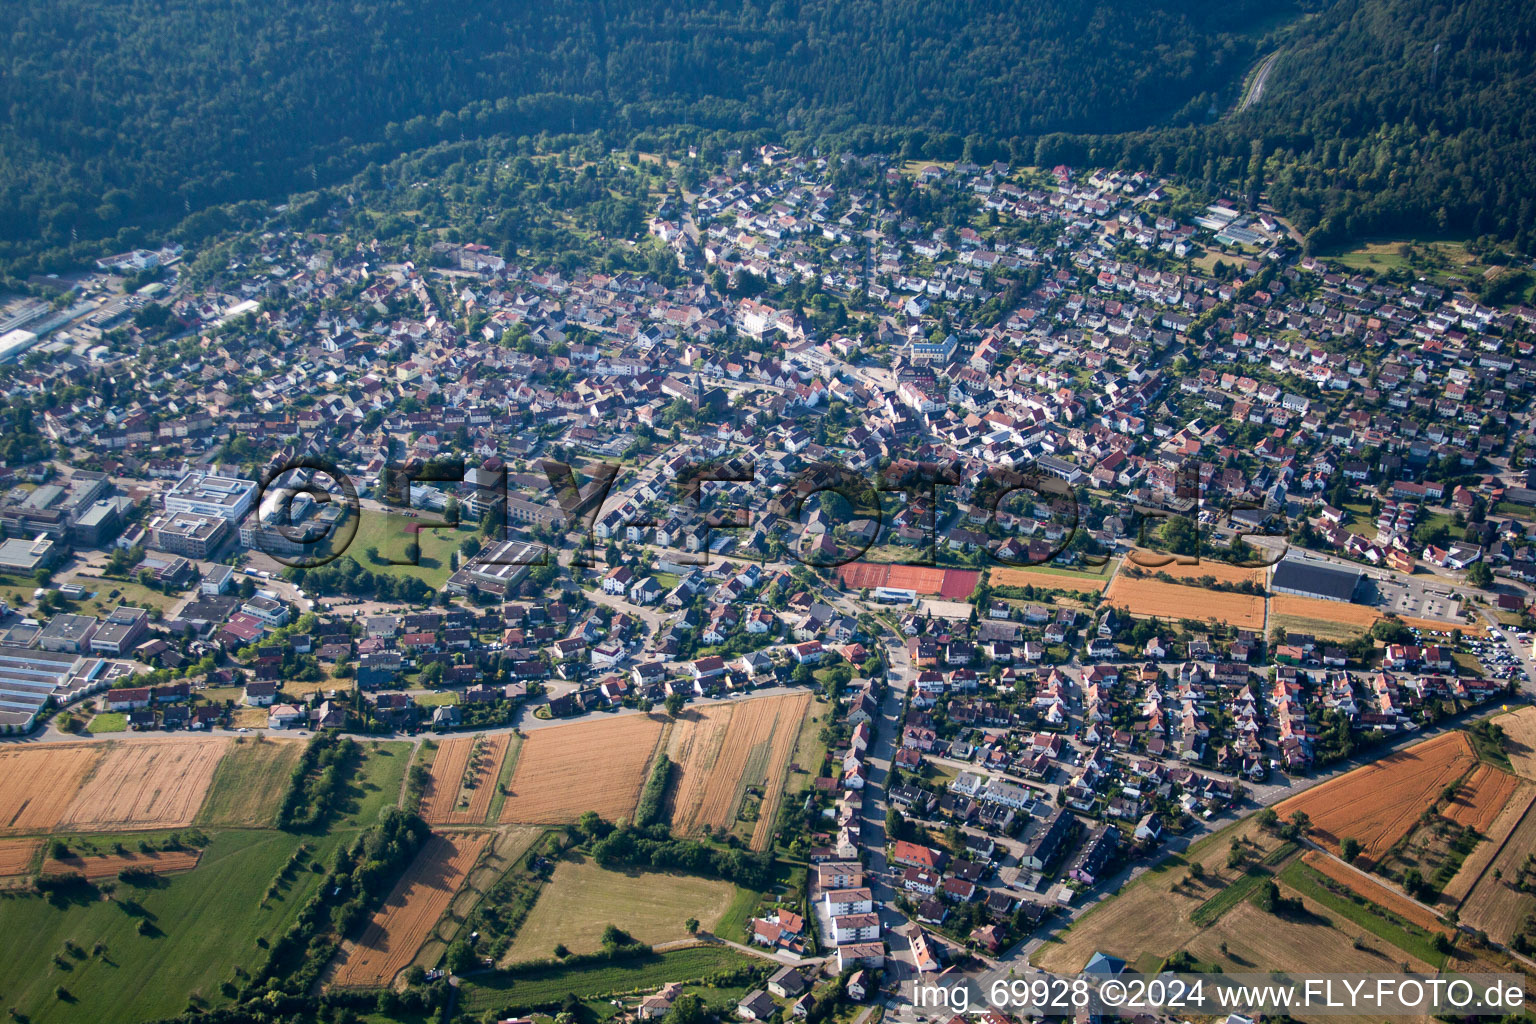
x=1350, y=848
x=674, y=703
x=1480, y=576
x=692, y=925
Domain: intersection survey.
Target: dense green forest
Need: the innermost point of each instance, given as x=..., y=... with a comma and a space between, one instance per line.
x=125, y=112
x=124, y=117
x=1380, y=117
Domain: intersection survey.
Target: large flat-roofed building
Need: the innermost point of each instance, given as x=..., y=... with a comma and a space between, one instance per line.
x=54, y=508
x=498, y=570
x=122, y=630
x=67, y=633
x=1310, y=579
x=206, y=494
x=31, y=678
x=188, y=534
x=26, y=556
x=97, y=524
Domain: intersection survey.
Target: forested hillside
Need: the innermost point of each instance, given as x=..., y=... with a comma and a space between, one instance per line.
x=125, y=112
x=1379, y=117
x=1402, y=118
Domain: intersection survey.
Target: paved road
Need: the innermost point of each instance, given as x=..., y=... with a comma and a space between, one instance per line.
x=1260, y=79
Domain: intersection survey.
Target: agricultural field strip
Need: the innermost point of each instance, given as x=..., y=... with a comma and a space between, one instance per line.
x=1378, y=803
x=566, y=770
x=1484, y=854
x=1147, y=597
x=1494, y=905
x=108, y=865
x=37, y=784
x=1368, y=887
x=411, y=911
x=786, y=732
x=1481, y=798
x=146, y=785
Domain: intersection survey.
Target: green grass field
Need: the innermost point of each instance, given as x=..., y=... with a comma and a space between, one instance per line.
x=544, y=985
x=204, y=923
x=582, y=899
x=108, y=721
x=377, y=783
x=249, y=782
x=386, y=533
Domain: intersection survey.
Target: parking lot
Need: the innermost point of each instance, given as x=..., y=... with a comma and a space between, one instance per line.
x=1418, y=600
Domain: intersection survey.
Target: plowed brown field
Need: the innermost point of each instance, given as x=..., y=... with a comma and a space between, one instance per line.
x=402, y=924
x=107, y=865
x=1481, y=797
x=563, y=771
x=448, y=801
x=146, y=785
x=38, y=783
x=1147, y=597
x=1379, y=803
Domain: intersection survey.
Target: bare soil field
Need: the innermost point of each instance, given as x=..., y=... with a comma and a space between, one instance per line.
x=1379, y=803
x=1148, y=597
x=566, y=770
x=1483, y=854
x=402, y=924
x=1494, y=904
x=146, y=785
x=107, y=865
x=16, y=856
x=724, y=751
x=1481, y=797
x=1374, y=891
x=38, y=783
x=1520, y=741
x=463, y=780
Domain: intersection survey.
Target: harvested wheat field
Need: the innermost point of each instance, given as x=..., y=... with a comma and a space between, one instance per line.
x=1340, y=612
x=1520, y=741
x=38, y=783
x=146, y=785
x=726, y=749
x=1379, y=803
x=1481, y=797
x=1046, y=579
x=1147, y=597
x=1494, y=904
x=402, y=924
x=463, y=780
x=1483, y=854
x=1220, y=572
x=1364, y=885
x=566, y=770
x=107, y=865
x=17, y=855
